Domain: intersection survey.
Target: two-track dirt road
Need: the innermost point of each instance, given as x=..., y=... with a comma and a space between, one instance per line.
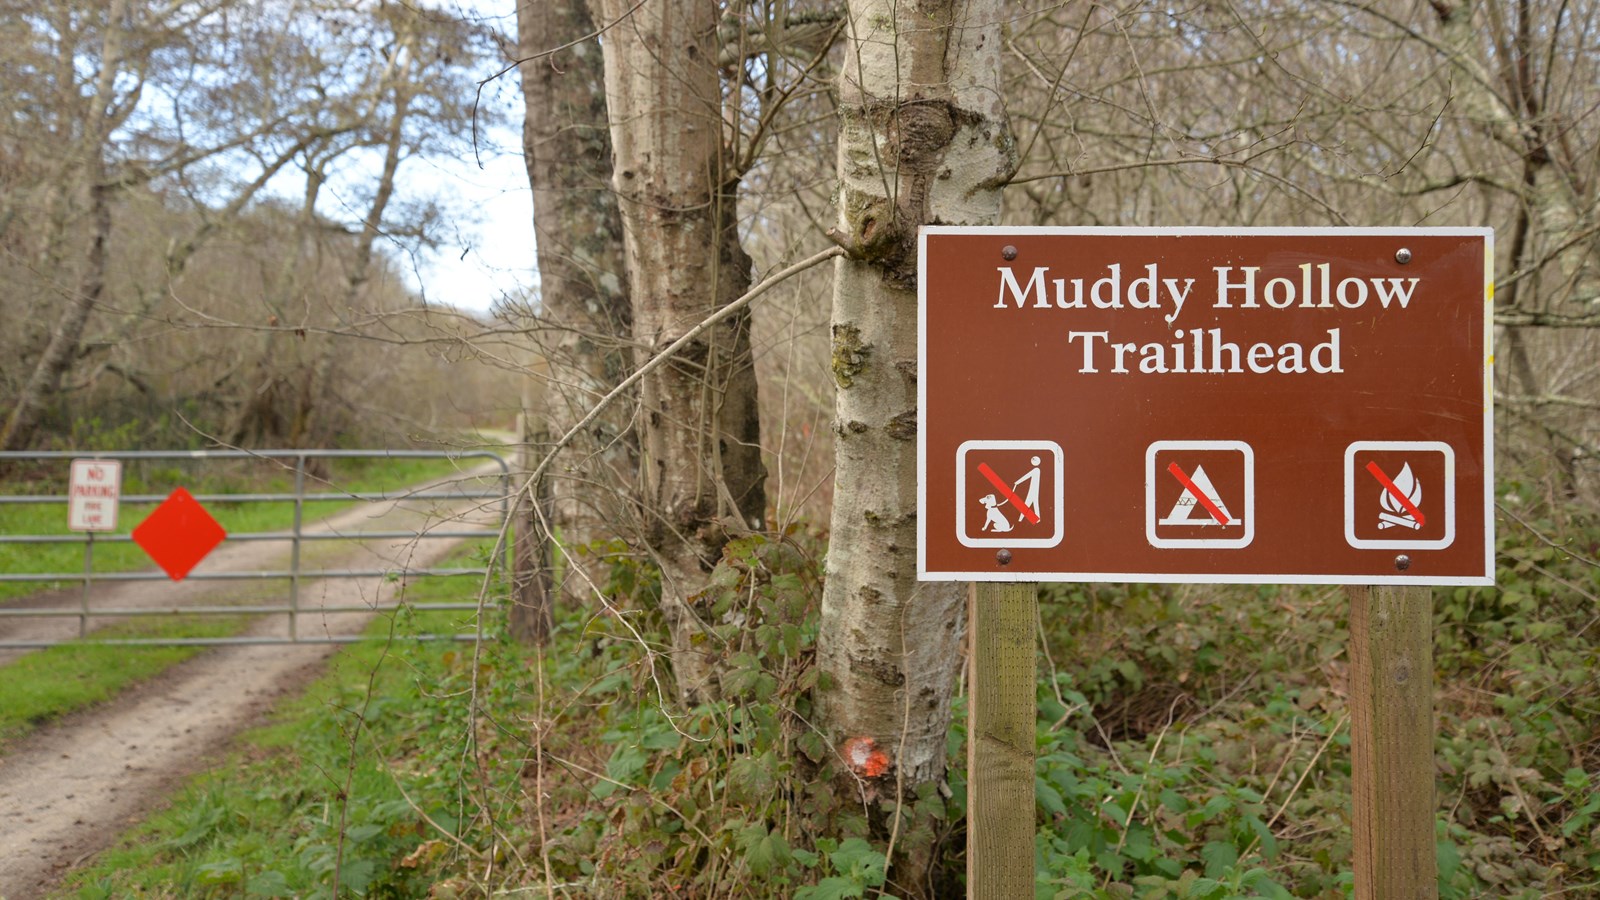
x=67, y=790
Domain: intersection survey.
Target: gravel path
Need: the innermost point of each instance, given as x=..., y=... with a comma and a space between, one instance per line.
x=69, y=789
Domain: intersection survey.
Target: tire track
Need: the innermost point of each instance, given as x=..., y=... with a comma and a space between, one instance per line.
x=69, y=789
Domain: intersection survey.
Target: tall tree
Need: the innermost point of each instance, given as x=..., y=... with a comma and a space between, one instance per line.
x=584, y=319
x=85, y=119
x=119, y=104
x=924, y=139
x=677, y=184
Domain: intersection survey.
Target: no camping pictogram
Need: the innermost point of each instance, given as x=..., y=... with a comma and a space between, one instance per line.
x=1009, y=494
x=1199, y=494
x=1399, y=495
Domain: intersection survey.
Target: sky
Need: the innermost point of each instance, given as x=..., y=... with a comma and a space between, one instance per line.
x=486, y=248
x=485, y=242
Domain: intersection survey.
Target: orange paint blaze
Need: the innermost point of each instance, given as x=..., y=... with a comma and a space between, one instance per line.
x=864, y=757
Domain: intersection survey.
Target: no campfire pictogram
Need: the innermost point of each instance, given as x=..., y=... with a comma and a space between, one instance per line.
x=1199, y=494
x=1399, y=499
x=1009, y=494
x=1399, y=495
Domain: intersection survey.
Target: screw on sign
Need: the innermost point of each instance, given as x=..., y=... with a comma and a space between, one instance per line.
x=178, y=534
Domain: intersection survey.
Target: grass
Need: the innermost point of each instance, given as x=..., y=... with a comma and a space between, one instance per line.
x=317, y=793
x=42, y=686
x=1192, y=742
x=48, y=684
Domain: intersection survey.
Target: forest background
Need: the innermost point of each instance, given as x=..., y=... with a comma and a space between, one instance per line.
x=205, y=216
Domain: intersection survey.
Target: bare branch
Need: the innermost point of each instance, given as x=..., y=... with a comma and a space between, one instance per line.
x=1522, y=318
x=672, y=350
x=1547, y=400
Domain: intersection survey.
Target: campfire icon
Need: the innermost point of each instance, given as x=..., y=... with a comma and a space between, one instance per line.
x=1396, y=472
x=1398, y=512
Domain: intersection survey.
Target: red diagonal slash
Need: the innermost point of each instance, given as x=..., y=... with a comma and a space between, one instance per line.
x=1396, y=493
x=1197, y=494
x=985, y=471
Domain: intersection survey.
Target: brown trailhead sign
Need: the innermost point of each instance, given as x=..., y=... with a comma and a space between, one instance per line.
x=1258, y=405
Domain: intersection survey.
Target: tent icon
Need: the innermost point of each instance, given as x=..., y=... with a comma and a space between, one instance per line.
x=1181, y=481
x=1199, y=504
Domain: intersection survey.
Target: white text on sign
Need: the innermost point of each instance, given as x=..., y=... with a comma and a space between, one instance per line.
x=1307, y=286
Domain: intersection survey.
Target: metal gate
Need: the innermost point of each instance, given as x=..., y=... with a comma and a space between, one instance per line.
x=489, y=510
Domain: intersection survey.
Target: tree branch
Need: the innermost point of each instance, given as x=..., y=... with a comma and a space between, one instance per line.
x=1547, y=400
x=672, y=350
x=1518, y=318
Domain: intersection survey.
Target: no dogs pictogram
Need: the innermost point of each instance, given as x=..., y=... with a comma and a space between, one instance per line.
x=1008, y=494
x=1199, y=494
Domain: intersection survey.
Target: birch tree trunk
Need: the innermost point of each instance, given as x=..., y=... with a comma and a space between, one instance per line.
x=584, y=318
x=923, y=140
x=702, y=474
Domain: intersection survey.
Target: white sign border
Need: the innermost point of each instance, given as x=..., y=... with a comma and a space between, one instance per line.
x=1004, y=575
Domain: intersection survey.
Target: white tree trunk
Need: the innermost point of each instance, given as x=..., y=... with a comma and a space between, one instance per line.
x=699, y=428
x=923, y=140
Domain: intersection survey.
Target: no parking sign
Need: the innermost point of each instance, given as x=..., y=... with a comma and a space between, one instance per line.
x=94, y=490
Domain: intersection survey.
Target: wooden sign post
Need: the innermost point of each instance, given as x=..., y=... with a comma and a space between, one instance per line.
x=1206, y=405
x=1002, y=620
x=1391, y=742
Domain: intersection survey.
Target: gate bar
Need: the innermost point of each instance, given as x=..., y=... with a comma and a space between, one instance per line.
x=235, y=641
x=107, y=538
x=294, y=546
x=223, y=610
x=236, y=576
x=88, y=579
x=251, y=454
x=318, y=497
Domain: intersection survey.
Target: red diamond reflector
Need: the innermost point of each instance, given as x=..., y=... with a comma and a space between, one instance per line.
x=178, y=534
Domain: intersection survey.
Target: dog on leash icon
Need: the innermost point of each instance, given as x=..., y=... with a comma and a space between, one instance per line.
x=1009, y=494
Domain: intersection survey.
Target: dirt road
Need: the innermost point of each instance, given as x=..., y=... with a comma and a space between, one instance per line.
x=69, y=789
